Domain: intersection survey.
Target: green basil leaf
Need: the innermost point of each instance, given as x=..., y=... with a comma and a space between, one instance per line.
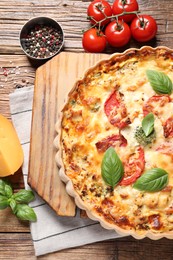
x=111, y=168
x=4, y=203
x=24, y=196
x=160, y=82
x=148, y=124
x=24, y=212
x=152, y=180
x=13, y=205
x=8, y=190
x=2, y=187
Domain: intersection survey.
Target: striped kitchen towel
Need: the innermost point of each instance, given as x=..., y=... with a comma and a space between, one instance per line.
x=51, y=232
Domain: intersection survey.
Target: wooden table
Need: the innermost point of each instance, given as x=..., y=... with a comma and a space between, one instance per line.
x=15, y=238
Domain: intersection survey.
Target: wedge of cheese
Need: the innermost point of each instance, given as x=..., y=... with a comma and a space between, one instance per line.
x=11, y=153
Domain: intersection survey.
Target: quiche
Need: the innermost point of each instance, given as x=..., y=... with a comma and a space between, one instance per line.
x=115, y=140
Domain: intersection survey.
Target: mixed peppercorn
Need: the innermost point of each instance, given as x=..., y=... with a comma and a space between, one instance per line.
x=42, y=41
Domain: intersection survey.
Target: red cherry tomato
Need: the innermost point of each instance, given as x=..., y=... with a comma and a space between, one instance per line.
x=94, y=40
x=116, y=140
x=98, y=10
x=120, y=6
x=168, y=127
x=143, y=28
x=134, y=167
x=116, y=111
x=117, y=33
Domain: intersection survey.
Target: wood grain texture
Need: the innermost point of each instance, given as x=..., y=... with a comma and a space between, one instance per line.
x=15, y=240
x=20, y=73
x=53, y=82
x=72, y=16
x=18, y=246
x=10, y=224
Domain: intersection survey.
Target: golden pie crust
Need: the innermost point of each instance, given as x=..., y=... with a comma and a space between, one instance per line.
x=87, y=128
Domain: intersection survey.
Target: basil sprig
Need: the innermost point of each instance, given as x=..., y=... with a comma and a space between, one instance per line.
x=160, y=82
x=17, y=201
x=111, y=168
x=148, y=124
x=152, y=180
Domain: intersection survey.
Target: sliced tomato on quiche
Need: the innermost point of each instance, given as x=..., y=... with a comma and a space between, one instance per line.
x=116, y=110
x=168, y=127
x=155, y=103
x=133, y=167
x=165, y=148
x=113, y=140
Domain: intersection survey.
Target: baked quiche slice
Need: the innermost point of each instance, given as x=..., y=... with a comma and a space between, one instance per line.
x=115, y=141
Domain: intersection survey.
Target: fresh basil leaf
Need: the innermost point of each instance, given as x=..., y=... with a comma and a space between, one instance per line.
x=111, y=168
x=24, y=196
x=13, y=205
x=152, y=180
x=2, y=187
x=8, y=190
x=24, y=212
x=3, y=202
x=148, y=124
x=160, y=82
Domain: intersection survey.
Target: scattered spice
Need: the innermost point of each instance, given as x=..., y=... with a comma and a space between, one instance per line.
x=42, y=41
x=5, y=72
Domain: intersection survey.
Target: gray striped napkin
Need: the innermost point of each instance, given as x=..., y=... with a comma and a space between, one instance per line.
x=51, y=232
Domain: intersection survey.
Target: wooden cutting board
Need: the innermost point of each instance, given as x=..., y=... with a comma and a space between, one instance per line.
x=53, y=81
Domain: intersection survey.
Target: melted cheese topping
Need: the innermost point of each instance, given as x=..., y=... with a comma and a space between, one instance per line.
x=87, y=131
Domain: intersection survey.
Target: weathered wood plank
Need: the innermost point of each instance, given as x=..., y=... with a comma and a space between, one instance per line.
x=15, y=71
x=19, y=246
x=16, y=246
x=122, y=249
x=72, y=16
x=10, y=224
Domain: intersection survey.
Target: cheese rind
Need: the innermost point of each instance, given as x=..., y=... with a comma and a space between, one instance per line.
x=11, y=153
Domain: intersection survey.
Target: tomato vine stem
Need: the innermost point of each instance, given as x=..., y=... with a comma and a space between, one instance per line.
x=98, y=23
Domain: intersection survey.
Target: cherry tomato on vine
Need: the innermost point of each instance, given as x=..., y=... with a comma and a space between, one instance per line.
x=143, y=28
x=117, y=33
x=120, y=6
x=94, y=40
x=98, y=10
